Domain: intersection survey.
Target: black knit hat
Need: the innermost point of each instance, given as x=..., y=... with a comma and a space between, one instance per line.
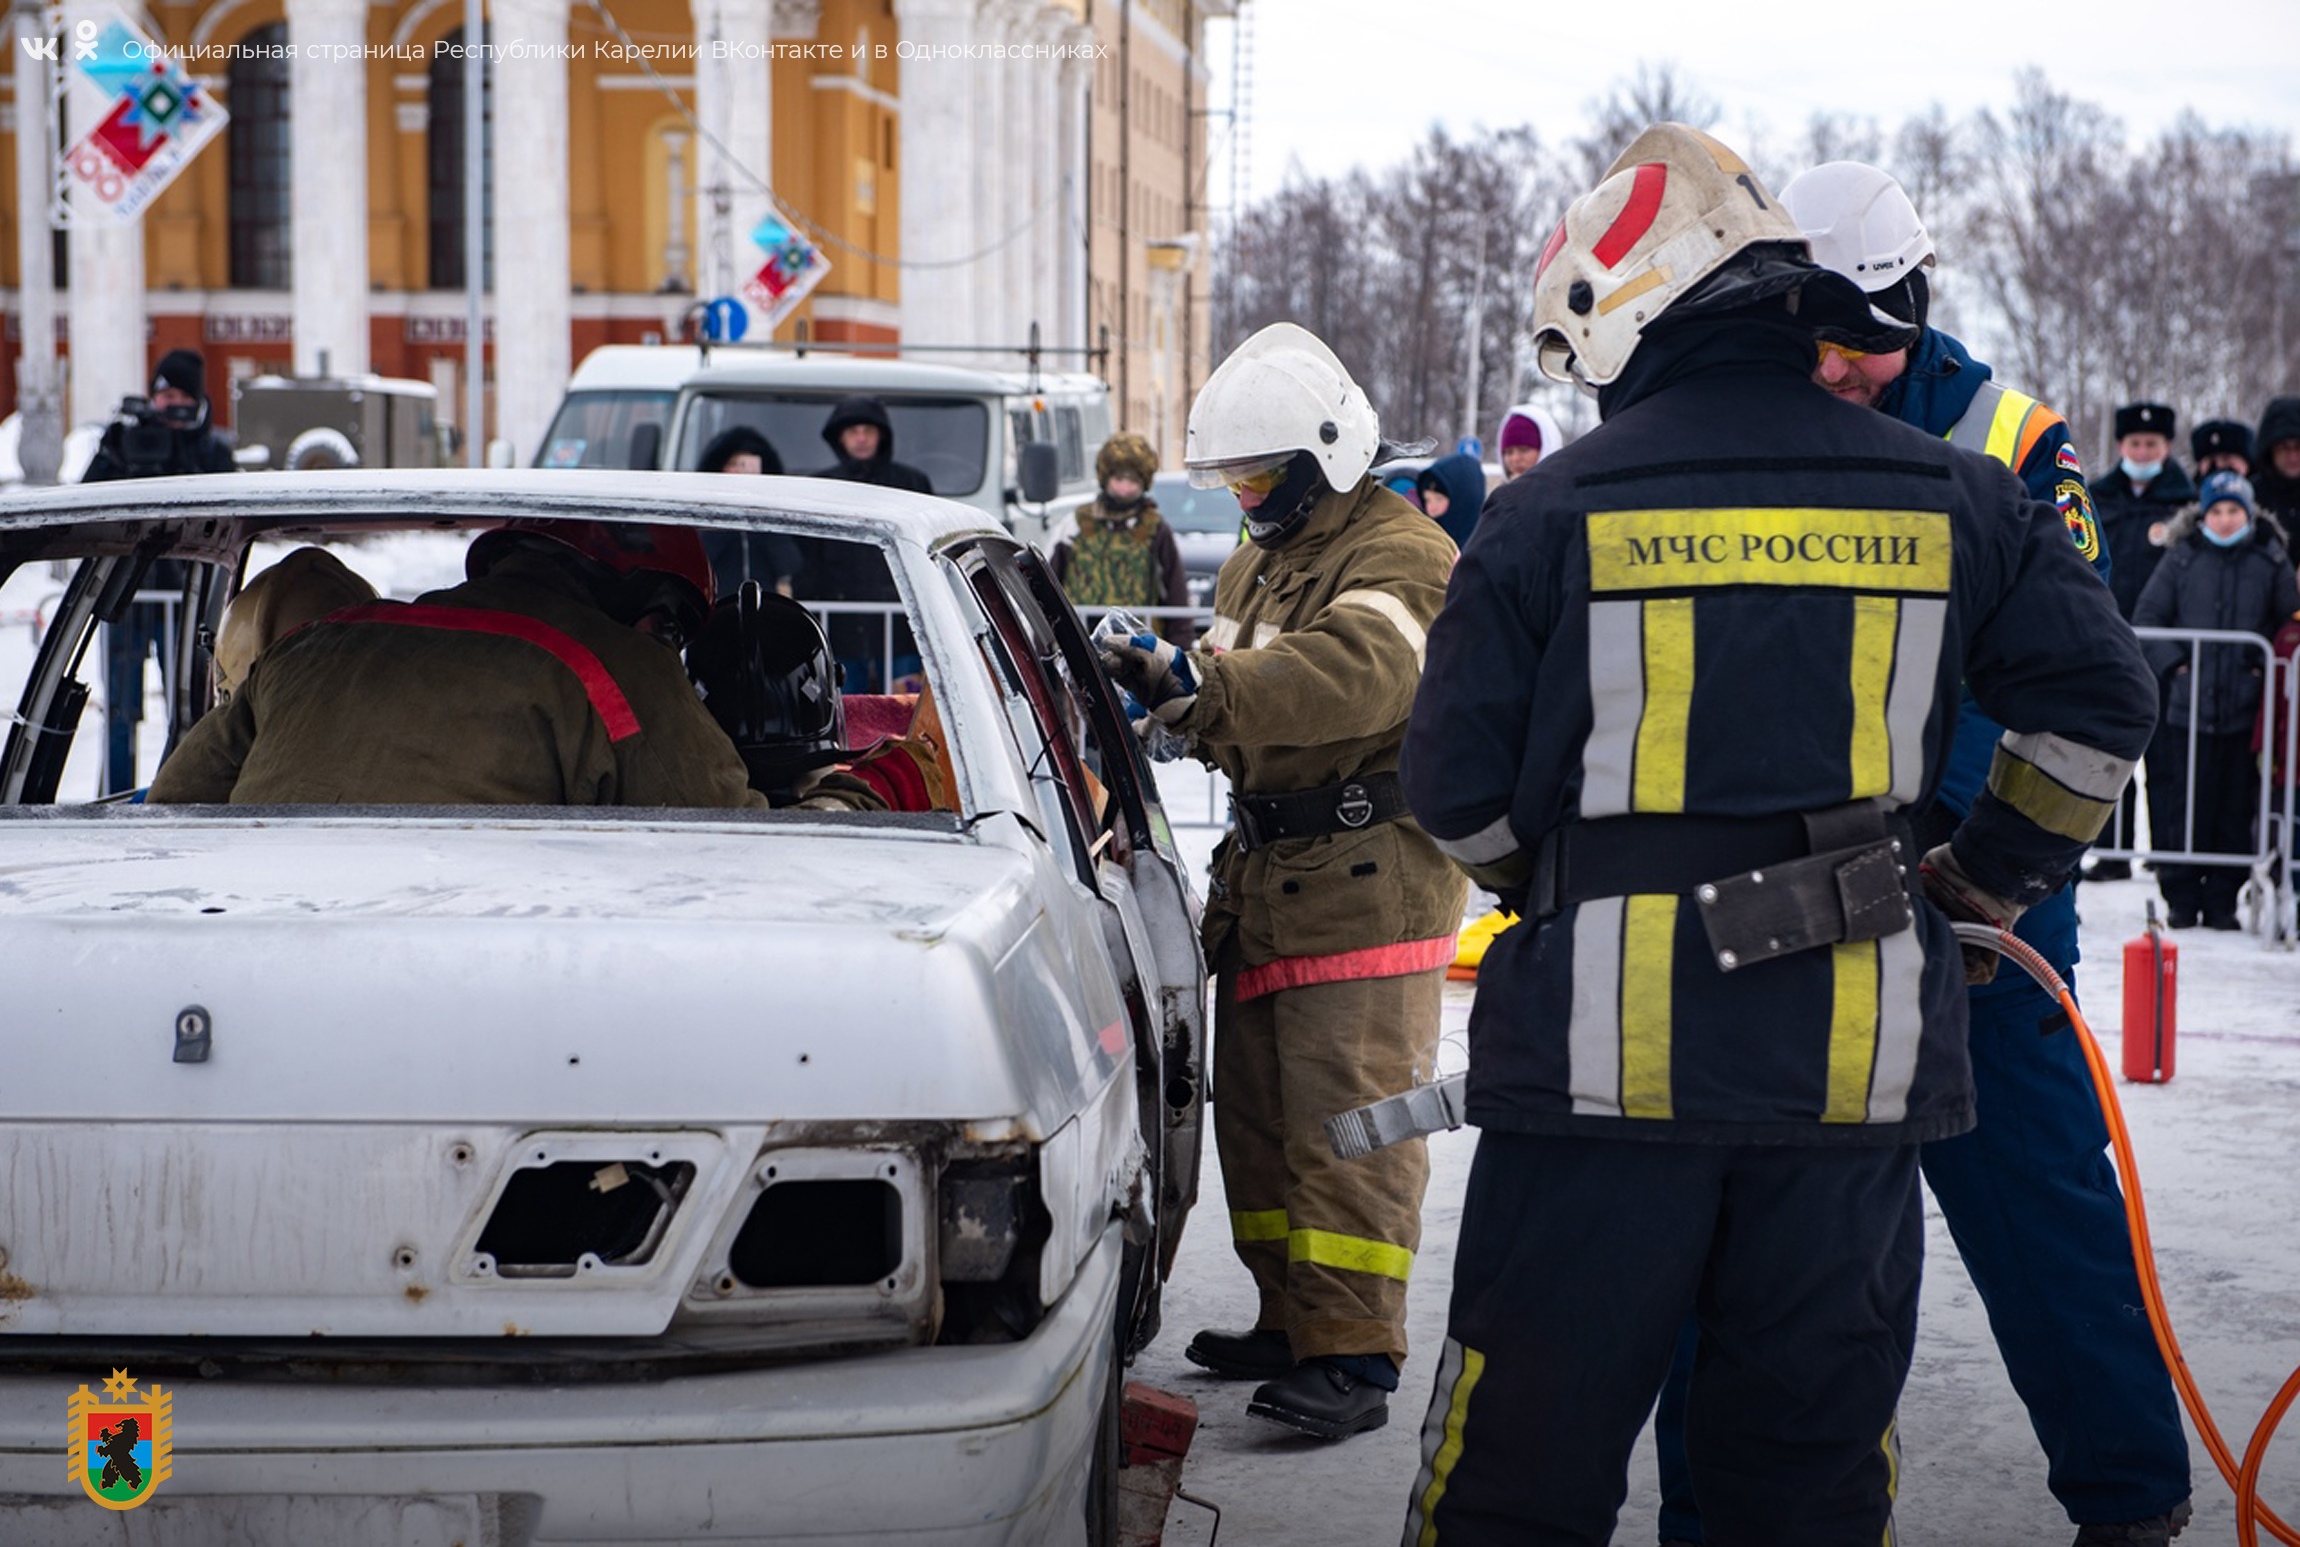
x=184, y=370
x=2221, y=437
x=2145, y=419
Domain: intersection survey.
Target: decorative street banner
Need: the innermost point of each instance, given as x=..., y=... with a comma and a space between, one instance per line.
x=149, y=118
x=794, y=266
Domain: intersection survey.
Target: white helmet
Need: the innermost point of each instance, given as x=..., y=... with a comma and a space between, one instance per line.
x=1280, y=392
x=1860, y=223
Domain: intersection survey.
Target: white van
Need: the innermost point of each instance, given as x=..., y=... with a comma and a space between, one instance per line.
x=659, y=406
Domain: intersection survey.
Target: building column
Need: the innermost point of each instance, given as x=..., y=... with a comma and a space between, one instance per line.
x=327, y=182
x=532, y=312
x=734, y=84
x=1077, y=80
x=938, y=171
x=39, y=403
x=994, y=211
x=107, y=305
x=1050, y=32
x=1017, y=169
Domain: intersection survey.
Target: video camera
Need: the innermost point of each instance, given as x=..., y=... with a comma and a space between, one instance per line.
x=146, y=436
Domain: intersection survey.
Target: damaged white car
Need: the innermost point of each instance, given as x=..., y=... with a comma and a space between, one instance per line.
x=526, y=1175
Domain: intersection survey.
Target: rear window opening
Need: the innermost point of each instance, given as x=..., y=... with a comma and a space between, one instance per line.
x=576, y=1215
x=817, y=1234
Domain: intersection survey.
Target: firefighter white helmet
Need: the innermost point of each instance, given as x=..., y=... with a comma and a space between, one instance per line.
x=1673, y=210
x=1280, y=392
x=1860, y=223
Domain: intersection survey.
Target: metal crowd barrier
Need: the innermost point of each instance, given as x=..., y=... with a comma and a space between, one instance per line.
x=2268, y=892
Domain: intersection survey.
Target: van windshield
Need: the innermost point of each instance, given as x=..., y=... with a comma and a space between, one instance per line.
x=946, y=438
x=594, y=429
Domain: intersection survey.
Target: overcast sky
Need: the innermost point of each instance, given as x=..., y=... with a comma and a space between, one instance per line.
x=1343, y=83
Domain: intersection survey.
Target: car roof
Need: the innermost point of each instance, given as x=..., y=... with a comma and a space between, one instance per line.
x=875, y=374
x=636, y=366
x=464, y=496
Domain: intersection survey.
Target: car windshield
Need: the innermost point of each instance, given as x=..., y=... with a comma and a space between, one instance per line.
x=1195, y=510
x=593, y=429
x=946, y=438
x=115, y=691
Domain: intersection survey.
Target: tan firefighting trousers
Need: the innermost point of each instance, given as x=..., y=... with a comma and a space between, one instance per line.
x=1330, y=1242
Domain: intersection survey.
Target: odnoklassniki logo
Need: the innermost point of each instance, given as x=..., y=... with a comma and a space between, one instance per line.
x=119, y=1441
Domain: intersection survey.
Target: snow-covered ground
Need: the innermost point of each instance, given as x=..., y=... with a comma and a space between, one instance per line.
x=2219, y=1149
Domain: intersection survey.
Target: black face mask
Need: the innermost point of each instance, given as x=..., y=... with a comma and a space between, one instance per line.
x=1273, y=523
x=1119, y=507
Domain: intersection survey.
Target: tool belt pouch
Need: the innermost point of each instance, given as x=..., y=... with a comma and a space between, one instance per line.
x=1858, y=893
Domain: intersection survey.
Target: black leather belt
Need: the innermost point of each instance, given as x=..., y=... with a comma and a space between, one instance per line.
x=1767, y=885
x=1261, y=820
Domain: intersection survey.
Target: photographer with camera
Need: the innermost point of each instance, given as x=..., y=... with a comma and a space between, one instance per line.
x=166, y=434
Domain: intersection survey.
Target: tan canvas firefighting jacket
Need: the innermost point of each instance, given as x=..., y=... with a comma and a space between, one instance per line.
x=1306, y=679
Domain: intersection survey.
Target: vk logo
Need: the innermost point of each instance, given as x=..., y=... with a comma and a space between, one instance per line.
x=42, y=48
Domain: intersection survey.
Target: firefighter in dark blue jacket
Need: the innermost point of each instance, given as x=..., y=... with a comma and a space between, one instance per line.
x=1686, y=699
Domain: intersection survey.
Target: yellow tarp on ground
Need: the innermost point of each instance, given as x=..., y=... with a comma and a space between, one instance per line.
x=1475, y=938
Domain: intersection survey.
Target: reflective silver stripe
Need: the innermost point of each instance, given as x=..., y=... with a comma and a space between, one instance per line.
x=1617, y=705
x=1224, y=634
x=1593, y=1035
x=1266, y=634
x=1495, y=840
x=1900, y=1023
x=2086, y=770
x=1401, y=617
x=1441, y=1441
x=1971, y=430
x=1916, y=671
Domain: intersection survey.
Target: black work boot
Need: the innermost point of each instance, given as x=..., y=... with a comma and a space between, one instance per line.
x=1318, y=1397
x=1261, y=1354
x=2155, y=1531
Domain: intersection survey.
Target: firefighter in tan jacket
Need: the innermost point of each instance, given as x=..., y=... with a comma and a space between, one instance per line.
x=1331, y=916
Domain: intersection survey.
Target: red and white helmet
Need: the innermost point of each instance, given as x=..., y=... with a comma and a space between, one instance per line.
x=1675, y=208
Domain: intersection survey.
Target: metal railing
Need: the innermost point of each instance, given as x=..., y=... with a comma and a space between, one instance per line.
x=2269, y=854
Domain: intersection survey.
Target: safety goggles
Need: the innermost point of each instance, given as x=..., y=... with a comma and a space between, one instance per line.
x=1256, y=476
x=1832, y=347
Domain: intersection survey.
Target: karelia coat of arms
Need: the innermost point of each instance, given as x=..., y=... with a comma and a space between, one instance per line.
x=119, y=1441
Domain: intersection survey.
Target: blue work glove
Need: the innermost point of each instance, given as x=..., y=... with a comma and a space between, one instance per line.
x=1155, y=672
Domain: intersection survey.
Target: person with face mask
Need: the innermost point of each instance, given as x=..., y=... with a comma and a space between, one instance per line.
x=1123, y=553
x=2225, y=567
x=1330, y=916
x=2137, y=497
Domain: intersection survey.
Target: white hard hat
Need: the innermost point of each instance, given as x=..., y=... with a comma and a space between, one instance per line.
x=1670, y=211
x=1280, y=392
x=1860, y=222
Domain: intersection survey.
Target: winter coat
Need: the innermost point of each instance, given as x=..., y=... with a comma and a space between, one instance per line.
x=882, y=469
x=2248, y=586
x=189, y=451
x=514, y=689
x=1463, y=479
x=1305, y=680
x=1126, y=558
x=2271, y=490
x=2126, y=518
x=1737, y=602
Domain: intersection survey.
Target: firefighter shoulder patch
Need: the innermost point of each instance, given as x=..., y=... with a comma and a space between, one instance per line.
x=2066, y=460
x=2075, y=502
x=118, y=1441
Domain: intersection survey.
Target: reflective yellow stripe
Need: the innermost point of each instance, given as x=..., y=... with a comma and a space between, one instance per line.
x=1660, y=767
x=1860, y=550
x=1441, y=1463
x=1258, y=1224
x=2004, y=426
x=2044, y=800
x=1648, y=946
x=1852, y=1031
x=1351, y=1253
x=1891, y=1446
x=1876, y=620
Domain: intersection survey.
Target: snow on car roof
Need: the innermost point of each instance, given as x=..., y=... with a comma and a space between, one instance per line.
x=479, y=495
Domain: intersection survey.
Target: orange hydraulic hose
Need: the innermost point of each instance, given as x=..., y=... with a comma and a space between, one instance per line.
x=2244, y=1478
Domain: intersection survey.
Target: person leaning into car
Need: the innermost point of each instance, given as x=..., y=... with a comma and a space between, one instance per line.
x=550, y=677
x=1331, y=916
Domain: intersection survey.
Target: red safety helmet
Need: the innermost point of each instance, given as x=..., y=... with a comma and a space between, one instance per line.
x=661, y=569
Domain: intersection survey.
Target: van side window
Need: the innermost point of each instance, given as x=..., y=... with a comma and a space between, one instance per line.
x=1070, y=437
